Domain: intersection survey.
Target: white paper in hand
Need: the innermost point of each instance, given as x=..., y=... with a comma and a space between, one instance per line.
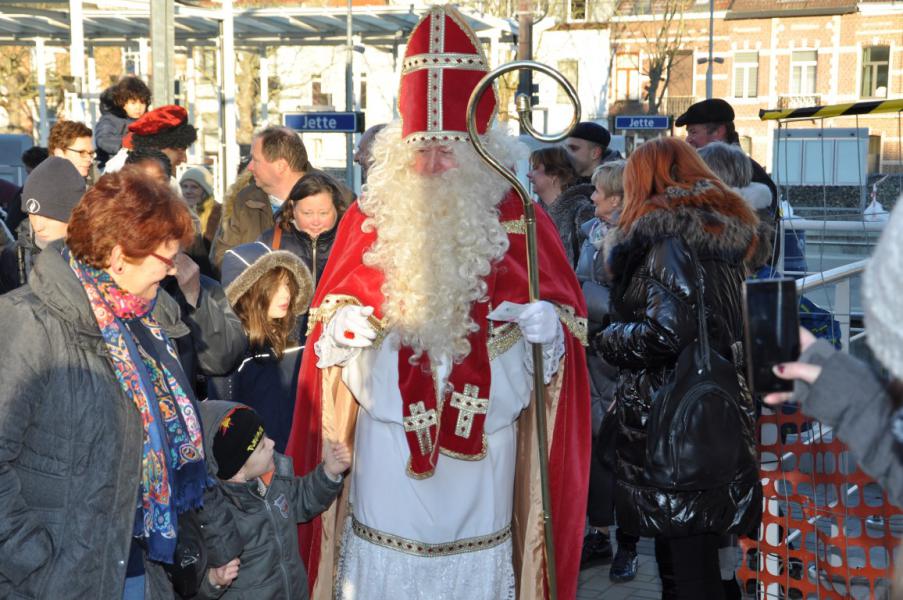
x=507, y=311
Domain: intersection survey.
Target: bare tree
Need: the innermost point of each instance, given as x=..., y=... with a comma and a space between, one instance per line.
x=17, y=87
x=659, y=39
x=662, y=47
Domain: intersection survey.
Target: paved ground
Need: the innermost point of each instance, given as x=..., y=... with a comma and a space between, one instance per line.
x=595, y=584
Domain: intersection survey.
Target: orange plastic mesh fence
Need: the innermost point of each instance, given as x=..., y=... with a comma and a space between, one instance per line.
x=828, y=531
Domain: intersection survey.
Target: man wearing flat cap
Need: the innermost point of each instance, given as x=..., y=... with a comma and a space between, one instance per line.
x=712, y=120
x=588, y=147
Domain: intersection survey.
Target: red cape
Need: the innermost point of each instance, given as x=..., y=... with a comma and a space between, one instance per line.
x=569, y=449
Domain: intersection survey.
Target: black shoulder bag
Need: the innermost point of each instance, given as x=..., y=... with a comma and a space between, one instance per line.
x=695, y=426
x=190, y=560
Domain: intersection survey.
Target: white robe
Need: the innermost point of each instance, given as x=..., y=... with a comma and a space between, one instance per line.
x=463, y=499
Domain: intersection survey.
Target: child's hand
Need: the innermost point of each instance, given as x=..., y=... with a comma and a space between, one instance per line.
x=223, y=576
x=336, y=459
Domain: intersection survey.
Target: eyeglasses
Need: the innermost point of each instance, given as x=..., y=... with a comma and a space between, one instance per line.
x=83, y=153
x=170, y=264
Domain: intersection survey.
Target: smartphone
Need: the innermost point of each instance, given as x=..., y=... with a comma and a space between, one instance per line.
x=771, y=331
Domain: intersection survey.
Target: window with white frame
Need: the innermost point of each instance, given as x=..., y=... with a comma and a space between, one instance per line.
x=577, y=10
x=746, y=74
x=875, y=62
x=803, y=66
x=131, y=61
x=627, y=77
x=568, y=68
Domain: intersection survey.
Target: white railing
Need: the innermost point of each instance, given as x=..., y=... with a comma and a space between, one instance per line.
x=840, y=278
x=815, y=225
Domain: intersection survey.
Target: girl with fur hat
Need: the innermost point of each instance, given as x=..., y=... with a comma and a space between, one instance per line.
x=679, y=221
x=268, y=290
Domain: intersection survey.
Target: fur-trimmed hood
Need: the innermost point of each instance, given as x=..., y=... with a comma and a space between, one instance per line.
x=244, y=265
x=718, y=229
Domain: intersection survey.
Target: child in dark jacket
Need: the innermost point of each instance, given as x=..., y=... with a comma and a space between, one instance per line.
x=120, y=105
x=266, y=500
x=268, y=290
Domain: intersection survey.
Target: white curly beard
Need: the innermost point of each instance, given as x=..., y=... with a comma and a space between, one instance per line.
x=437, y=237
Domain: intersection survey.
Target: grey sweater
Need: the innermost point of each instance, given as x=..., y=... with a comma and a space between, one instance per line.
x=849, y=396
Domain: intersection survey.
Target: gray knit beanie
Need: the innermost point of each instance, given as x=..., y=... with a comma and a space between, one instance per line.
x=881, y=291
x=53, y=189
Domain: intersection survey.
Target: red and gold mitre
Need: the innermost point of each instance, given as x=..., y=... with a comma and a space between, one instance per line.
x=443, y=63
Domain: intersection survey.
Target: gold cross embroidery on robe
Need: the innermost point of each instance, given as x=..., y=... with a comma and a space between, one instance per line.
x=420, y=422
x=468, y=405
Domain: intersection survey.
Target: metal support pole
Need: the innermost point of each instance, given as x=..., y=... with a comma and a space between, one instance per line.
x=540, y=405
x=708, y=65
x=230, y=111
x=77, y=57
x=525, y=52
x=143, y=58
x=349, y=98
x=92, y=94
x=842, y=311
x=41, y=66
x=197, y=149
x=264, y=86
x=162, y=27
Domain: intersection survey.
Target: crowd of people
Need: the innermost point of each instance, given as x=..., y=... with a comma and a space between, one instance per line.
x=187, y=383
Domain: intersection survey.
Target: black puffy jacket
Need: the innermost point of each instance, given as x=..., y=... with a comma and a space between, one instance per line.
x=570, y=210
x=309, y=250
x=654, y=319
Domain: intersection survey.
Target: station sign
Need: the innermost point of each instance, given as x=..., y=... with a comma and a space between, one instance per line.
x=329, y=122
x=643, y=122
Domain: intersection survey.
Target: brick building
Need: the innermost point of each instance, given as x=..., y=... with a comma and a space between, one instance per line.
x=767, y=54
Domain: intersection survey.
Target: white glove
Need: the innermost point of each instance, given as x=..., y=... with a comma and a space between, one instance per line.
x=539, y=323
x=349, y=327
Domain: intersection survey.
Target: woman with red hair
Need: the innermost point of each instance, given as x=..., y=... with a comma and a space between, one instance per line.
x=677, y=218
x=100, y=442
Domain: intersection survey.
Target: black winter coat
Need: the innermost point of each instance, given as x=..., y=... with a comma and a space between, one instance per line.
x=569, y=212
x=312, y=252
x=653, y=292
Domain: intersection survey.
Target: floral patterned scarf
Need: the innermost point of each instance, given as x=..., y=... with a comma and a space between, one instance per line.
x=173, y=470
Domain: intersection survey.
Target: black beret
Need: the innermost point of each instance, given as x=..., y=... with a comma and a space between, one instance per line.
x=713, y=110
x=591, y=132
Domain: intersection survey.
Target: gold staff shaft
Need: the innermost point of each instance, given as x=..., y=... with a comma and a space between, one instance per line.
x=523, y=111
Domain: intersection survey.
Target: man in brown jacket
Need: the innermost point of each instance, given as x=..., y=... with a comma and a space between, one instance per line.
x=278, y=161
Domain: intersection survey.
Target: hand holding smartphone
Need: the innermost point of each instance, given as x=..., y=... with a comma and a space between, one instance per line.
x=771, y=331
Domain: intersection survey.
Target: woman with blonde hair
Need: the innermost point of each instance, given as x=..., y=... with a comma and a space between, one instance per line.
x=683, y=238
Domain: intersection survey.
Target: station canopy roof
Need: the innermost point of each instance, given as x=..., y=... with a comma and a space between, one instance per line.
x=119, y=22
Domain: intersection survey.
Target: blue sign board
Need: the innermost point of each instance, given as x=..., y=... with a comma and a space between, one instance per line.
x=643, y=122
x=330, y=122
